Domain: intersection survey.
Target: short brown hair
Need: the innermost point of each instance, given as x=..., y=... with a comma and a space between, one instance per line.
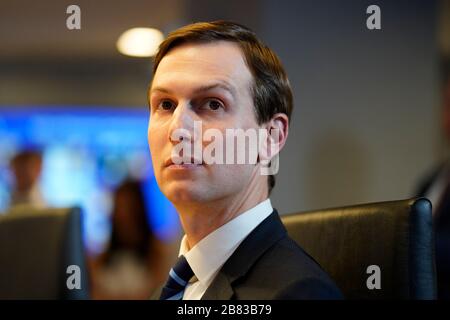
x=271, y=89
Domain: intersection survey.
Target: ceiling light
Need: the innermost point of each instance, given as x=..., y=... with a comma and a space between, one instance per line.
x=140, y=42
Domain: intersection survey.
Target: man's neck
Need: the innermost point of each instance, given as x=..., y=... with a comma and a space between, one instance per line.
x=200, y=219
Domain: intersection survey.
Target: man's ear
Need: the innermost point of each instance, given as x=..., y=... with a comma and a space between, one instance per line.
x=277, y=129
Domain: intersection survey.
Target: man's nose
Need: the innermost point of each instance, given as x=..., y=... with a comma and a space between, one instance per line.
x=182, y=123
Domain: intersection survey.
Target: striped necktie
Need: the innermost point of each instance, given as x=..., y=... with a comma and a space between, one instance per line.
x=179, y=277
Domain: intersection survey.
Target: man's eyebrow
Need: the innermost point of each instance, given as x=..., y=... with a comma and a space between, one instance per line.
x=220, y=85
x=208, y=87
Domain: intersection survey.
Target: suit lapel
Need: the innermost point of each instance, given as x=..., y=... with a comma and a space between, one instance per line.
x=220, y=288
x=254, y=245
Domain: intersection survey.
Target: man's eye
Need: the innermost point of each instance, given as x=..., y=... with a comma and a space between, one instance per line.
x=166, y=105
x=213, y=105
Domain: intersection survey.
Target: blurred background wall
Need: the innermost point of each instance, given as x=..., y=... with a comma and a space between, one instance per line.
x=366, y=123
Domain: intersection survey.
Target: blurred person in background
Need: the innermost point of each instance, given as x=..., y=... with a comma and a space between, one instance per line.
x=436, y=187
x=131, y=267
x=26, y=167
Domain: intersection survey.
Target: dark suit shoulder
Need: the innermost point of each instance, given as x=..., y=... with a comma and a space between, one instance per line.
x=286, y=271
x=270, y=265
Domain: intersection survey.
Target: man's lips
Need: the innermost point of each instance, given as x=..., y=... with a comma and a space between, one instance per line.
x=182, y=162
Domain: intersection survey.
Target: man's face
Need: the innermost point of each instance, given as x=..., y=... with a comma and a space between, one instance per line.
x=208, y=83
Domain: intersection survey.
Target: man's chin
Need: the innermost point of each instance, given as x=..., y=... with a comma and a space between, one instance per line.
x=185, y=192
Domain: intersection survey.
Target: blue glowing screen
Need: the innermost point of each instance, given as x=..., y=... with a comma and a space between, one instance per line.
x=87, y=152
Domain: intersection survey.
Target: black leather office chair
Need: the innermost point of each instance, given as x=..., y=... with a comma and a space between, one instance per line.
x=396, y=236
x=36, y=248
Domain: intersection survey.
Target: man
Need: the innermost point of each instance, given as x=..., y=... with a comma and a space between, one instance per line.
x=436, y=187
x=219, y=75
x=26, y=167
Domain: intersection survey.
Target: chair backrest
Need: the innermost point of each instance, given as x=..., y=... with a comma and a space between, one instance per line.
x=36, y=248
x=396, y=236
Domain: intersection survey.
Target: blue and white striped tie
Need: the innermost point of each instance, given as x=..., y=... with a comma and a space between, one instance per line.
x=179, y=277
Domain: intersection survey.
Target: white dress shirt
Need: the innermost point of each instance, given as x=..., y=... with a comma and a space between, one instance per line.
x=208, y=256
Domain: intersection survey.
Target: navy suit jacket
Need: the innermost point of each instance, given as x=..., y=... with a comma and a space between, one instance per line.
x=268, y=264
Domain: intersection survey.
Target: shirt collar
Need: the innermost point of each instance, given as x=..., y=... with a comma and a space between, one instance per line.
x=207, y=256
